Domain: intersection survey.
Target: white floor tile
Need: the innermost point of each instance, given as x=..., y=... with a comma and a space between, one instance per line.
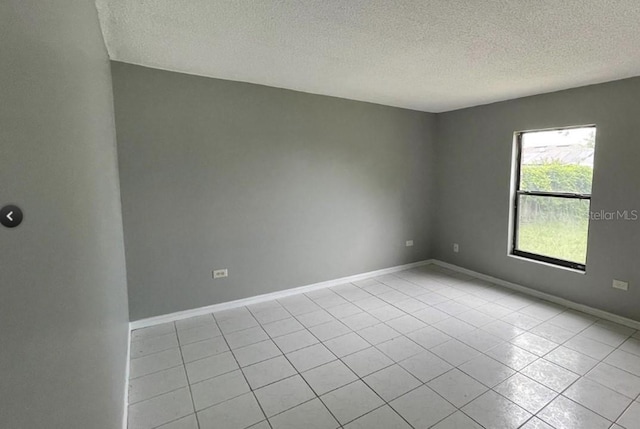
x=536, y=423
x=210, y=367
x=387, y=312
x=496, y=412
x=152, y=345
x=153, y=331
x=632, y=345
x=608, y=333
x=399, y=348
x=631, y=417
x=598, y=398
x=377, y=334
x=235, y=324
x=193, y=322
x=237, y=413
x=189, y=422
x=155, y=362
x=310, y=357
x=425, y=366
x=310, y=415
x=431, y=315
x=268, y=371
x=368, y=348
x=624, y=360
x=282, y=327
x=343, y=311
x=161, y=409
x=192, y=335
x=534, y=344
x=551, y=375
x=329, y=330
x=246, y=337
x=315, y=318
x=502, y=330
x=295, y=341
x=523, y=391
x=370, y=303
x=552, y=332
x=572, y=320
x=255, y=353
x=283, y=395
x=422, y=407
x=270, y=315
x=351, y=401
x=428, y=337
x=406, y=324
x=571, y=360
x=346, y=344
x=480, y=340
x=360, y=321
x=411, y=305
x=455, y=352
x=380, y=418
x=155, y=384
x=486, y=370
x=218, y=389
x=458, y=420
x=329, y=376
x=454, y=327
x=589, y=347
x=452, y=307
x=512, y=356
x=367, y=361
x=475, y=318
x=457, y=387
x=203, y=349
x=563, y=413
x=391, y=382
x=521, y=321
x=616, y=379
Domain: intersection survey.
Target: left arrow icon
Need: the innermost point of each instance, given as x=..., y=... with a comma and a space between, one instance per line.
x=10, y=216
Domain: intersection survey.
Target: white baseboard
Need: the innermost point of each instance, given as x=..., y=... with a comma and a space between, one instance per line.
x=127, y=370
x=542, y=295
x=172, y=317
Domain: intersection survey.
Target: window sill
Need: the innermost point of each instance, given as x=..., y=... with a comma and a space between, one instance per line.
x=547, y=264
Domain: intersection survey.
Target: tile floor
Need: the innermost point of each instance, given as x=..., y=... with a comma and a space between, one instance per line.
x=422, y=348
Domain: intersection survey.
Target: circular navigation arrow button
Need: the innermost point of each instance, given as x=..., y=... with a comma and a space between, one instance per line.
x=10, y=216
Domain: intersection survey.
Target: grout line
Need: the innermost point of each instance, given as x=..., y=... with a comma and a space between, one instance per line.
x=193, y=404
x=243, y=374
x=405, y=335
x=385, y=403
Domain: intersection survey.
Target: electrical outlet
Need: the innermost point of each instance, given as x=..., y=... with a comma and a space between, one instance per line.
x=619, y=284
x=408, y=243
x=456, y=247
x=218, y=274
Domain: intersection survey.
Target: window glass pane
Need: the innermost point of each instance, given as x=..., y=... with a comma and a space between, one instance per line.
x=558, y=160
x=553, y=226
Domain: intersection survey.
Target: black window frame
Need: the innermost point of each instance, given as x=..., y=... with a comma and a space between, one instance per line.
x=518, y=192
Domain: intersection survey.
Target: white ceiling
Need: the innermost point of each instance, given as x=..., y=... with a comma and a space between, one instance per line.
x=431, y=55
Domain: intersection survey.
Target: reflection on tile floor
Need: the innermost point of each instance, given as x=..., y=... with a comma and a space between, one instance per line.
x=420, y=348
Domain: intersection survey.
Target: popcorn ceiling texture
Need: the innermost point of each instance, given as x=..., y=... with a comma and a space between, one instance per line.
x=430, y=55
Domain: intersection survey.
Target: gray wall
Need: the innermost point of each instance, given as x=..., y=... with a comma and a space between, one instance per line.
x=280, y=187
x=474, y=169
x=63, y=310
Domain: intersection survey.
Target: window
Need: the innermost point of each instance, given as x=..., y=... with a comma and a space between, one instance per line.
x=553, y=175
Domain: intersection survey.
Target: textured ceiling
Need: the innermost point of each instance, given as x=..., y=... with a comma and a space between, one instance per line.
x=431, y=55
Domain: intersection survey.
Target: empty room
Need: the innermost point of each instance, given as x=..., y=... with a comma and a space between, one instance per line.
x=304, y=214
